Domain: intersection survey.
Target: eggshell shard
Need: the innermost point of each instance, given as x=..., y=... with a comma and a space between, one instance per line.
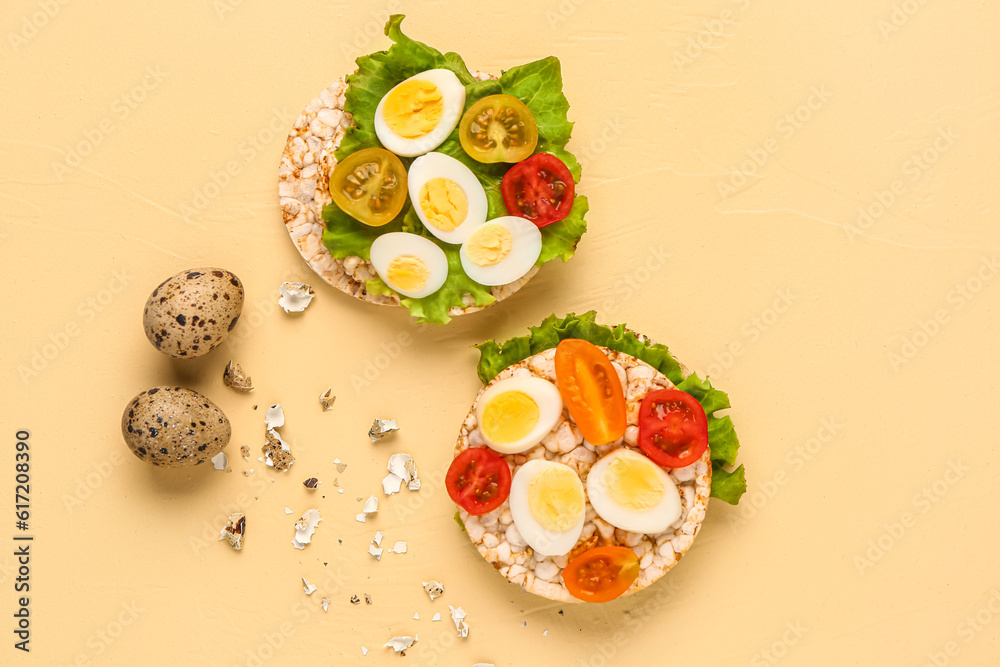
x=305, y=527
x=277, y=452
x=381, y=428
x=458, y=618
x=434, y=589
x=235, y=530
x=174, y=427
x=234, y=378
x=295, y=297
x=400, y=644
x=189, y=314
x=326, y=399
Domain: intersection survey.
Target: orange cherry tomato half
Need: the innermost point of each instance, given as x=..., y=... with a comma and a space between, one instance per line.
x=478, y=480
x=601, y=574
x=591, y=390
x=673, y=430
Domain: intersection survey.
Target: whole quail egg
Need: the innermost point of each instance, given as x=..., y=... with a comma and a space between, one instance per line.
x=174, y=427
x=191, y=313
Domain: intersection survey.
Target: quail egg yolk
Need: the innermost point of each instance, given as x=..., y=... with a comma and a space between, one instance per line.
x=407, y=273
x=633, y=484
x=490, y=244
x=413, y=108
x=509, y=416
x=555, y=499
x=444, y=203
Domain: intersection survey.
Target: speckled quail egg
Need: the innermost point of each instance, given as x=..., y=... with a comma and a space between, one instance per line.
x=191, y=313
x=174, y=427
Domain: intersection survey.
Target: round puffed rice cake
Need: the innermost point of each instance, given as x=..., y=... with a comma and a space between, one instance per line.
x=303, y=190
x=499, y=541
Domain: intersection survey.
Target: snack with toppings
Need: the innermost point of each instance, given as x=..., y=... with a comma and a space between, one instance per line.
x=416, y=147
x=584, y=468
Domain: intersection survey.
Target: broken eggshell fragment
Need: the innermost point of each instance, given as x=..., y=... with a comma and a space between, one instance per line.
x=191, y=313
x=458, y=618
x=295, y=297
x=381, y=428
x=234, y=378
x=174, y=427
x=434, y=589
x=327, y=398
x=400, y=644
x=235, y=530
x=277, y=452
x=305, y=527
x=401, y=470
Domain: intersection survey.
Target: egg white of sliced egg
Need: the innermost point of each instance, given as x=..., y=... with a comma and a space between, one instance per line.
x=515, y=414
x=631, y=492
x=418, y=114
x=447, y=197
x=412, y=265
x=501, y=250
x=548, y=506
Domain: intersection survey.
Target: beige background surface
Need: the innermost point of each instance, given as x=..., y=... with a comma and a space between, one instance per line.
x=728, y=146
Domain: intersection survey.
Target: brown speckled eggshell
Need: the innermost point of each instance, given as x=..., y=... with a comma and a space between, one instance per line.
x=174, y=427
x=191, y=313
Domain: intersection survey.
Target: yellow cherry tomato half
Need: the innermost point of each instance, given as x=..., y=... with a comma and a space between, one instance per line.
x=370, y=186
x=498, y=128
x=591, y=390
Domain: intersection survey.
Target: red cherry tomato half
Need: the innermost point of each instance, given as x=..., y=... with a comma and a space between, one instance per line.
x=673, y=429
x=478, y=480
x=540, y=189
x=601, y=574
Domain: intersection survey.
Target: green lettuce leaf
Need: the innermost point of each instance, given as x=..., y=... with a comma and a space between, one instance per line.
x=728, y=486
x=722, y=440
x=537, y=84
